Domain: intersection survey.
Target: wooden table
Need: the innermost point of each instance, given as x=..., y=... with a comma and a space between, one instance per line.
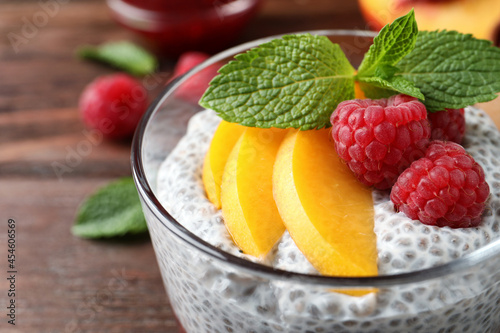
x=63, y=283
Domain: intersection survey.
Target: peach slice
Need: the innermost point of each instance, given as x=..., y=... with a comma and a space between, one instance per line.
x=223, y=141
x=478, y=17
x=328, y=213
x=358, y=93
x=248, y=207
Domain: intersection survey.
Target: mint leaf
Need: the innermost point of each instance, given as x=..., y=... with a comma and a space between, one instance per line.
x=377, y=70
x=123, y=55
x=452, y=70
x=295, y=81
x=392, y=43
x=377, y=87
x=114, y=210
x=375, y=92
x=385, y=71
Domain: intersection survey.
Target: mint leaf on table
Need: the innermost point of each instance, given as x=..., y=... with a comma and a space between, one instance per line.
x=392, y=44
x=123, y=55
x=114, y=210
x=452, y=70
x=295, y=81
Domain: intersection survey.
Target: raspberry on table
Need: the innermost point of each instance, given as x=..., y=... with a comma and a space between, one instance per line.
x=378, y=139
x=113, y=105
x=192, y=89
x=447, y=125
x=444, y=188
x=189, y=60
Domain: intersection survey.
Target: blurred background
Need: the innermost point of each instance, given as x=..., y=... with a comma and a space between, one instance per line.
x=49, y=161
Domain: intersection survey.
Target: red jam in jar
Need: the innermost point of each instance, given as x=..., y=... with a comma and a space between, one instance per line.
x=171, y=27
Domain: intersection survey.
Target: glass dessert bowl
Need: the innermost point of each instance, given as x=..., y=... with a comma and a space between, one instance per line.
x=213, y=290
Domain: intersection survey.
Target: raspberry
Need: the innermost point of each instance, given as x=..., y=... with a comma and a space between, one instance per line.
x=444, y=188
x=189, y=60
x=113, y=105
x=447, y=125
x=378, y=139
x=195, y=86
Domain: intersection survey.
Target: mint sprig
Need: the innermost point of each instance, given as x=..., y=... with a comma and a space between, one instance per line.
x=123, y=55
x=452, y=70
x=297, y=81
x=289, y=82
x=114, y=210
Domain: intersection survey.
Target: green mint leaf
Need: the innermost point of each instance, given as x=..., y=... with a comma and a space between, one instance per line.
x=295, y=81
x=114, y=210
x=377, y=87
x=375, y=92
x=123, y=55
x=386, y=71
x=377, y=71
x=452, y=70
x=391, y=45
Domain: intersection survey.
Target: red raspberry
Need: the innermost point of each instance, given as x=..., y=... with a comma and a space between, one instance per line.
x=195, y=86
x=447, y=125
x=189, y=60
x=113, y=105
x=378, y=139
x=444, y=188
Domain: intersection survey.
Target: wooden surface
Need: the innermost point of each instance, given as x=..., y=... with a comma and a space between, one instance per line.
x=66, y=284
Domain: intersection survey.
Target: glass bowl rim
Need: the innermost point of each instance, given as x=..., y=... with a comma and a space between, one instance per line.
x=458, y=265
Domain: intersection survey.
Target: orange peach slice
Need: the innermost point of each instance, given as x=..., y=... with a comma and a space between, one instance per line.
x=478, y=17
x=328, y=213
x=223, y=141
x=248, y=207
x=358, y=93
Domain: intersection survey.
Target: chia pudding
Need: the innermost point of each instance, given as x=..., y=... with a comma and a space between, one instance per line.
x=209, y=294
